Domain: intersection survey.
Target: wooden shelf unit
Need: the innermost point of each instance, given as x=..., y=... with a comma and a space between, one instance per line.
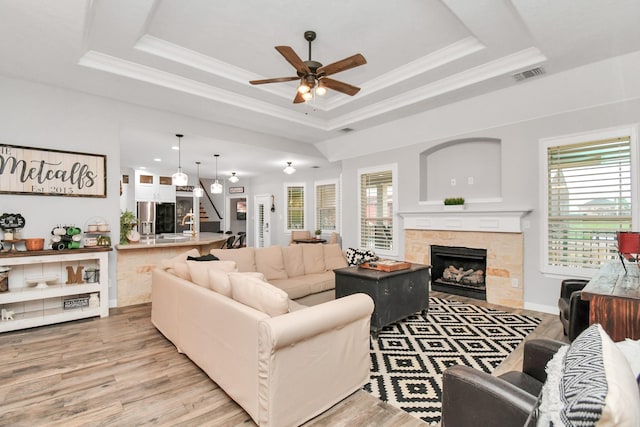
x=36, y=307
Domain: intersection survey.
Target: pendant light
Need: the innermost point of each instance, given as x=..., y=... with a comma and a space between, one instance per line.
x=216, y=187
x=179, y=178
x=233, y=178
x=198, y=191
x=289, y=169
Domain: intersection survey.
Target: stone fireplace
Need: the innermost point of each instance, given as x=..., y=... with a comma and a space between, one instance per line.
x=459, y=271
x=499, y=233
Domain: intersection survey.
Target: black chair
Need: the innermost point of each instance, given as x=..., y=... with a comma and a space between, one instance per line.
x=474, y=398
x=574, y=312
x=239, y=243
x=229, y=243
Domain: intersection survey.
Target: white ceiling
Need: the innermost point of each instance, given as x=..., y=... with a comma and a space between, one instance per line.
x=195, y=58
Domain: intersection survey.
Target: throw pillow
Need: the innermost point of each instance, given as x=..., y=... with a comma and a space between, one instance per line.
x=333, y=257
x=293, y=261
x=200, y=270
x=259, y=295
x=178, y=264
x=631, y=351
x=270, y=262
x=589, y=383
x=220, y=282
x=313, y=258
x=358, y=256
x=207, y=257
x=244, y=257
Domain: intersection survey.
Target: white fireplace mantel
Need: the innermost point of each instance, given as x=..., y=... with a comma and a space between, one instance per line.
x=494, y=221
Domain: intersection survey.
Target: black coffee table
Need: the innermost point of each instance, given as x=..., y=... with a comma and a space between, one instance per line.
x=396, y=294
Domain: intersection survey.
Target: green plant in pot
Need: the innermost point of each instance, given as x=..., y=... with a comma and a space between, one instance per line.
x=451, y=201
x=318, y=232
x=127, y=221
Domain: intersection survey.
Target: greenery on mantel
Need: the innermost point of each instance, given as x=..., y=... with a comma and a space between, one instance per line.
x=127, y=221
x=450, y=201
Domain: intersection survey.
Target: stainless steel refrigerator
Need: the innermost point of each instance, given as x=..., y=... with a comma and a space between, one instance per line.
x=156, y=218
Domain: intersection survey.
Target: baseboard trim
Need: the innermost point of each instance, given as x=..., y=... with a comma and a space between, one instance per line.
x=549, y=309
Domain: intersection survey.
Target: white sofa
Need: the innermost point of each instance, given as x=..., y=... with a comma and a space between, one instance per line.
x=304, y=272
x=282, y=367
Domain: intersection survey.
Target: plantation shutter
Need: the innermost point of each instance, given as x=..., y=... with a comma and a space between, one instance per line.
x=326, y=207
x=295, y=208
x=376, y=204
x=589, y=200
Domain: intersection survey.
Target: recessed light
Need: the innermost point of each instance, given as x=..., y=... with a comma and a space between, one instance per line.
x=142, y=167
x=175, y=147
x=157, y=159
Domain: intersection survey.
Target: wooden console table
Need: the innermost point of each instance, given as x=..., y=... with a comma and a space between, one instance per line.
x=614, y=300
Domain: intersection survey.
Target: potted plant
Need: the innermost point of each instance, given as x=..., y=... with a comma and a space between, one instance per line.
x=318, y=232
x=454, y=203
x=127, y=221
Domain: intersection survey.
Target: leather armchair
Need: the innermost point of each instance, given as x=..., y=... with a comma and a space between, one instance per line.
x=475, y=398
x=574, y=312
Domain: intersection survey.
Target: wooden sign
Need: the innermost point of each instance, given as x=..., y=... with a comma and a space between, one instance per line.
x=34, y=171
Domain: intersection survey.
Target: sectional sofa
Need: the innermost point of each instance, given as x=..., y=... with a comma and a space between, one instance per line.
x=283, y=362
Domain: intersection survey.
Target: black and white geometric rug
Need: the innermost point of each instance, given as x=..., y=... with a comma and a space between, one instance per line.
x=408, y=358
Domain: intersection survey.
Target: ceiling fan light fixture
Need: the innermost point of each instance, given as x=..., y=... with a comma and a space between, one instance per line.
x=303, y=88
x=307, y=96
x=233, y=178
x=321, y=90
x=179, y=178
x=289, y=169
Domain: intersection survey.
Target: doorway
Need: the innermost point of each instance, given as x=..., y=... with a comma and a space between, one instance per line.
x=262, y=214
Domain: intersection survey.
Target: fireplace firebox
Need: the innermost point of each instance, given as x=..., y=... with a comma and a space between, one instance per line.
x=459, y=271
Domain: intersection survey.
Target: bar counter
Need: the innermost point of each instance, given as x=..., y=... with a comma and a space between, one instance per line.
x=137, y=260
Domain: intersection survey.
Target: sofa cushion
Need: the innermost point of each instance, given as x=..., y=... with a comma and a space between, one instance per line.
x=301, y=286
x=313, y=258
x=293, y=261
x=589, y=383
x=269, y=262
x=259, y=295
x=220, y=282
x=200, y=270
x=244, y=257
x=178, y=264
x=333, y=257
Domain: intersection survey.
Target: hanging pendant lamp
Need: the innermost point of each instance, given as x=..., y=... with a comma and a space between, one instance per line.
x=233, y=178
x=179, y=178
x=198, y=191
x=216, y=187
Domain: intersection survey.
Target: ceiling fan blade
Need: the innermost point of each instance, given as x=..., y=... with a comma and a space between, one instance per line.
x=298, y=99
x=342, y=65
x=340, y=86
x=274, y=80
x=293, y=59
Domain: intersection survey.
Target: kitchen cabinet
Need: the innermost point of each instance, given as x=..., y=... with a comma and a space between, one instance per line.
x=35, y=303
x=154, y=188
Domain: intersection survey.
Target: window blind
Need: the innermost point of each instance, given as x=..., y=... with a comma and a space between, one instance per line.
x=326, y=207
x=376, y=207
x=295, y=207
x=589, y=201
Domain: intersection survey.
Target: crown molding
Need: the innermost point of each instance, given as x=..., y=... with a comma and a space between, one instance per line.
x=505, y=65
x=132, y=70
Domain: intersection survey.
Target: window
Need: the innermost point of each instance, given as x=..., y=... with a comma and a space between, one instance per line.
x=295, y=206
x=589, y=197
x=377, y=198
x=326, y=206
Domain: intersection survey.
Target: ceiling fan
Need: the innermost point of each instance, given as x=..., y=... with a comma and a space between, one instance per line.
x=313, y=75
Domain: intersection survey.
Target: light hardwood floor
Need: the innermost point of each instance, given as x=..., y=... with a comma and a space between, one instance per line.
x=121, y=371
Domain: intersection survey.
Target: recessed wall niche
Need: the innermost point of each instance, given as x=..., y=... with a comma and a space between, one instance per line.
x=469, y=168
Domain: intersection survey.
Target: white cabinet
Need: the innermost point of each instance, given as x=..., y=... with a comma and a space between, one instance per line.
x=36, y=305
x=154, y=188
